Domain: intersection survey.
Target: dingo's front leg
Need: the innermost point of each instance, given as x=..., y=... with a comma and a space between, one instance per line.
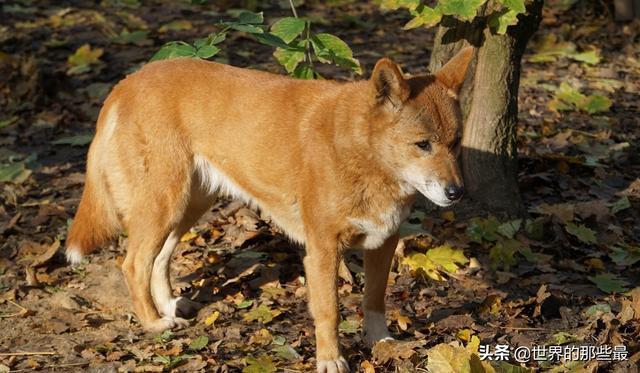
x=321, y=267
x=376, y=273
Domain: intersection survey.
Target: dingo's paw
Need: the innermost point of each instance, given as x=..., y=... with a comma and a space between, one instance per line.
x=181, y=307
x=333, y=366
x=166, y=323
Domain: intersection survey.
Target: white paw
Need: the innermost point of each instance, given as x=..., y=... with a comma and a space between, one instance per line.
x=333, y=366
x=166, y=323
x=180, y=307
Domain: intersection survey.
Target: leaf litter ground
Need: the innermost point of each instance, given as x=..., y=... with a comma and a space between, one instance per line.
x=567, y=274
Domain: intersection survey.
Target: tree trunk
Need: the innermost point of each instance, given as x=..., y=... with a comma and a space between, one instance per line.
x=490, y=106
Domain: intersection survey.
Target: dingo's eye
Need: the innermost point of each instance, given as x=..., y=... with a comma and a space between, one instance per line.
x=424, y=145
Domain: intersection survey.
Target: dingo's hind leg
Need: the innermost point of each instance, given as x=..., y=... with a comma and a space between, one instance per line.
x=159, y=199
x=167, y=304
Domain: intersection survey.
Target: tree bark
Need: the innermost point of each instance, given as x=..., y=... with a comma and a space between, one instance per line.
x=490, y=106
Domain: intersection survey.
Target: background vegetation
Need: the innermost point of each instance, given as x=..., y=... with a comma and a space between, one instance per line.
x=559, y=268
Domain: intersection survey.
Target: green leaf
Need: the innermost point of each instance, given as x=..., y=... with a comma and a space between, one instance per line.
x=595, y=104
x=244, y=304
x=165, y=337
x=81, y=61
x=279, y=340
x=247, y=17
x=562, y=338
x=286, y=352
x=330, y=48
x=625, y=256
x=569, y=94
x=289, y=58
x=591, y=57
x=501, y=20
x=583, y=233
x=598, y=308
x=199, y=343
x=503, y=254
x=533, y=257
x=609, y=283
x=174, y=49
x=304, y=71
x=138, y=38
x=288, y=28
x=263, y=364
x=548, y=49
x=621, y=204
x=262, y=313
x=77, y=140
x=252, y=29
x=14, y=172
x=425, y=16
x=462, y=9
x=211, y=39
x=535, y=229
x=273, y=41
x=207, y=51
x=170, y=362
x=332, y=44
x=480, y=229
x=510, y=228
x=349, y=326
x=515, y=5
x=568, y=98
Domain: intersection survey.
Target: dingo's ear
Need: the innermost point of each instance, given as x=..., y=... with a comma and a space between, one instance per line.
x=453, y=72
x=388, y=83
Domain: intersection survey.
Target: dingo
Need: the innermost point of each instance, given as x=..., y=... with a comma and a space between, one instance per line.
x=336, y=165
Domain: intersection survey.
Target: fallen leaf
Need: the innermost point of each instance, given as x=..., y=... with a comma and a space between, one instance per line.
x=386, y=351
x=211, y=319
x=609, y=283
x=199, y=343
x=583, y=233
x=262, y=313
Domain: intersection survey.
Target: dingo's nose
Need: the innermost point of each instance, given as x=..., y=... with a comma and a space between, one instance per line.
x=453, y=192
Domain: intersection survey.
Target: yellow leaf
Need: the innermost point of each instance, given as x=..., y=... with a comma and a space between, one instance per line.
x=420, y=263
x=448, y=216
x=367, y=367
x=262, y=338
x=444, y=358
x=492, y=304
x=473, y=345
x=211, y=319
x=464, y=334
x=188, y=236
x=85, y=56
x=447, y=257
x=400, y=319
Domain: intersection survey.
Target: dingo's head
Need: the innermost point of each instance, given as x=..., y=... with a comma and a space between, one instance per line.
x=418, y=126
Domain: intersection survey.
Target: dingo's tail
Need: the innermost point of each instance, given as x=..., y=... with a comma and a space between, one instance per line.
x=95, y=222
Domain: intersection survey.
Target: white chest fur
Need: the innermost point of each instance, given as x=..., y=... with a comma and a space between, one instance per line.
x=376, y=231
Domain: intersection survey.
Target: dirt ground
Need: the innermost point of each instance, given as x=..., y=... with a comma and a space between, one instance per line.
x=566, y=275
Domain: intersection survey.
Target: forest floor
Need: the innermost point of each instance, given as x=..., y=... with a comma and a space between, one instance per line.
x=567, y=275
